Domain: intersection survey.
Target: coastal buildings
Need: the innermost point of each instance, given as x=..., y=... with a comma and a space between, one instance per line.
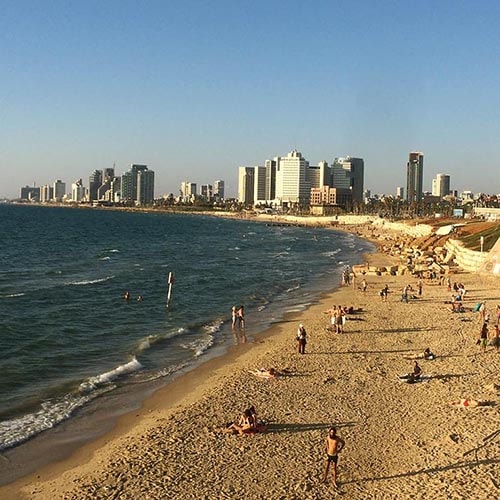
x=77, y=191
x=246, y=186
x=129, y=183
x=30, y=193
x=348, y=173
x=218, y=190
x=292, y=185
x=187, y=191
x=414, y=177
x=441, y=185
x=145, y=187
x=59, y=190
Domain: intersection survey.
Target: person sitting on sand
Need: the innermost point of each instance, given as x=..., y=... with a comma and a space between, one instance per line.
x=245, y=424
x=414, y=376
x=427, y=354
x=472, y=403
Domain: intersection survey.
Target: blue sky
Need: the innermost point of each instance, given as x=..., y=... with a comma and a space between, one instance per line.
x=195, y=89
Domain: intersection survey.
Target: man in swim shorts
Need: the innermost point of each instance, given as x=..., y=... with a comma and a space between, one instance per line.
x=334, y=445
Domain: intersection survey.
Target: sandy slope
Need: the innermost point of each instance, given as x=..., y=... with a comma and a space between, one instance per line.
x=402, y=441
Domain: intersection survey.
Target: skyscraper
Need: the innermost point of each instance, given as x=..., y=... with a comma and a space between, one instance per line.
x=441, y=185
x=219, y=189
x=246, y=185
x=259, y=185
x=349, y=173
x=129, y=182
x=95, y=181
x=292, y=185
x=145, y=187
x=271, y=178
x=414, y=177
x=59, y=190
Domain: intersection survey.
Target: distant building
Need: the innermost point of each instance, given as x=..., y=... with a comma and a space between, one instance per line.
x=292, y=185
x=95, y=181
x=206, y=192
x=46, y=193
x=259, y=185
x=326, y=197
x=30, y=193
x=319, y=175
x=400, y=192
x=441, y=185
x=129, y=182
x=271, y=178
x=59, y=190
x=246, y=187
x=188, y=191
x=348, y=173
x=145, y=187
x=414, y=177
x=77, y=191
x=219, y=190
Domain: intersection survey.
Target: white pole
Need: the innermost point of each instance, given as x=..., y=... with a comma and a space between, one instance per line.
x=170, y=283
x=482, y=243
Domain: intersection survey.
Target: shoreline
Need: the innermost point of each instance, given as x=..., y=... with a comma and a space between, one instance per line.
x=94, y=471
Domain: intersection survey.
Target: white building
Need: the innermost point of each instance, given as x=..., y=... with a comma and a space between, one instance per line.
x=77, y=191
x=441, y=185
x=246, y=187
x=292, y=185
x=188, y=191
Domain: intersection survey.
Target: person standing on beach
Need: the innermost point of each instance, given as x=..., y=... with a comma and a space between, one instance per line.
x=301, y=339
x=234, y=317
x=483, y=336
x=241, y=316
x=334, y=445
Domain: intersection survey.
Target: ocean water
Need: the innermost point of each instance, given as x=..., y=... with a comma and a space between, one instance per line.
x=68, y=337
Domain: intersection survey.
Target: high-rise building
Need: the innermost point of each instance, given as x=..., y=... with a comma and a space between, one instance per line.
x=400, y=192
x=46, y=193
x=292, y=186
x=348, y=173
x=320, y=175
x=219, y=189
x=59, y=190
x=441, y=185
x=259, y=185
x=77, y=191
x=414, y=177
x=31, y=193
x=188, y=191
x=271, y=178
x=95, y=181
x=206, y=191
x=129, y=182
x=145, y=187
x=246, y=187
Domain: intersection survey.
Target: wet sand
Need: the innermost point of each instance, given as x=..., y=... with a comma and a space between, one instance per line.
x=402, y=440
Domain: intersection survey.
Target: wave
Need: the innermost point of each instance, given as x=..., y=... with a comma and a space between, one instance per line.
x=199, y=346
x=291, y=289
x=10, y=295
x=51, y=413
x=114, y=250
x=105, y=258
x=149, y=341
x=104, y=378
x=89, y=282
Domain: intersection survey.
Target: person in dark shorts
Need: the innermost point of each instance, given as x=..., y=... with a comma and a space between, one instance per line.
x=334, y=445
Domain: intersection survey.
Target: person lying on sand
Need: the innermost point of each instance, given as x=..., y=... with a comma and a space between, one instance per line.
x=472, y=403
x=427, y=354
x=270, y=372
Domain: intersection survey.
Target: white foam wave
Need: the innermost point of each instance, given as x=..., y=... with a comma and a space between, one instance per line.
x=90, y=282
x=10, y=295
x=52, y=412
x=213, y=327
x=114, y=250
x=291, y=289
x=105, y=258
x=105, y=378
x=199, y=346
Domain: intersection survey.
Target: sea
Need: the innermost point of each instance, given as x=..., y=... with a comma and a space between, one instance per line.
x=70, y=342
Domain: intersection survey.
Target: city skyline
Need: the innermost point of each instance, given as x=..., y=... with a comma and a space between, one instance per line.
x=197, y=90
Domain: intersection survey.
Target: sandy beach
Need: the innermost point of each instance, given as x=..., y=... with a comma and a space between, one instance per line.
x=402, y=440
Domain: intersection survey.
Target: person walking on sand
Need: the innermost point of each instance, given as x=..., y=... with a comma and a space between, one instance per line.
x=483, y=336
x=301, y=339
x=334, y=445
x=364, y=285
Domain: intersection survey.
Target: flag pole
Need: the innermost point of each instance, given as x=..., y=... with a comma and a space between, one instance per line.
x=170, y=283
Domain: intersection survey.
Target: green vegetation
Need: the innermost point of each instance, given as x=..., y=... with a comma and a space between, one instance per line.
x=473, y=241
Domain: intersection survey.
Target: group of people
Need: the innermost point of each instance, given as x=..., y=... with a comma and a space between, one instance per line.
x=126, y=296
x=338, y=315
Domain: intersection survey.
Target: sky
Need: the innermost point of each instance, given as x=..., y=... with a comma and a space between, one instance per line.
x=195, y=89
